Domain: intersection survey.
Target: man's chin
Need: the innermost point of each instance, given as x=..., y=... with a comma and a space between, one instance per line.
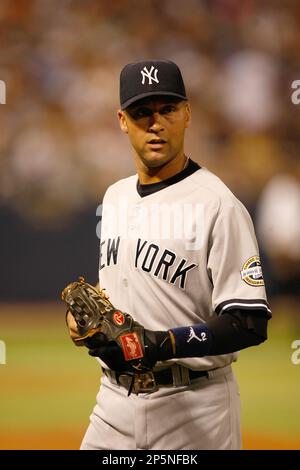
x=156, y=161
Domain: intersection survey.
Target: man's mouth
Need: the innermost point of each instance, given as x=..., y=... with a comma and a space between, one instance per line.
x=156, y=142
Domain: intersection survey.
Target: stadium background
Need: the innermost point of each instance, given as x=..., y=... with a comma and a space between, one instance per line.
x=60, y=147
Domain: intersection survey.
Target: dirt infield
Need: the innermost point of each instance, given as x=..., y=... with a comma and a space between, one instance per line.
x=263, y=442
x=70, y=440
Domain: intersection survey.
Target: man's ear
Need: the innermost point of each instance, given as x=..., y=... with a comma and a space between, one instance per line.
x=188, y=114
x=122, y=121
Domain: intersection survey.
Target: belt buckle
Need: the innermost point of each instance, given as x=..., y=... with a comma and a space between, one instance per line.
x=144, y=383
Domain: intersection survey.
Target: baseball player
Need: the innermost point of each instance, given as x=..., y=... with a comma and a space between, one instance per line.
x=179, y=253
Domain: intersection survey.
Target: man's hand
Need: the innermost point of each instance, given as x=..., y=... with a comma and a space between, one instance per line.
x=114, y=336
x=73, y=330
x=157, y=346
x=97, y=324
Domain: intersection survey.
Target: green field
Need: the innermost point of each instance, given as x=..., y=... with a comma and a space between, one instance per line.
x=48, y=386
x=269, y=384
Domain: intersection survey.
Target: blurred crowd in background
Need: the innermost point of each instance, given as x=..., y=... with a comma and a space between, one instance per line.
x=60, y=145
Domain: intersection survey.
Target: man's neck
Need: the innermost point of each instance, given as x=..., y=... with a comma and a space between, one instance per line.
x=154, y=175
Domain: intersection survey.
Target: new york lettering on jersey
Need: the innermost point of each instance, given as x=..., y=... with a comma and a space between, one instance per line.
x=150, y=258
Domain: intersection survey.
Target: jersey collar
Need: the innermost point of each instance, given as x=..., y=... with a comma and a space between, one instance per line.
x=147, y=189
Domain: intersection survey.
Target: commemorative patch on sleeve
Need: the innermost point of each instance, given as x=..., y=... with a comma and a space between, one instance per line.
x=252, y=272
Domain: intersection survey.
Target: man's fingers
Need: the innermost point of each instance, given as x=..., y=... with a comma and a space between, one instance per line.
x=95, y=352
x=96, y=341
x=73, y=331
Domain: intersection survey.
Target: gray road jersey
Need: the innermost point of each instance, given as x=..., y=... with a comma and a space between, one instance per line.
x=180, y=256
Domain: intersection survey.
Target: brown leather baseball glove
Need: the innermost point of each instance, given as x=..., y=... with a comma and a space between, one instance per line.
x=114, y=336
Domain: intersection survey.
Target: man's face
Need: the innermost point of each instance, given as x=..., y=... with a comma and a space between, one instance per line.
x=156, y=128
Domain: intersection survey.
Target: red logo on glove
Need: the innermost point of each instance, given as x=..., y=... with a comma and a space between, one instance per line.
x=131, y=345
x=118, y=318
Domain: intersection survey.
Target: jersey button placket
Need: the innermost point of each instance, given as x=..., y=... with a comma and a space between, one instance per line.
x=134, y=216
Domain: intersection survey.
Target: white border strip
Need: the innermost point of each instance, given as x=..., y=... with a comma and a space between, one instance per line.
x=244, y=304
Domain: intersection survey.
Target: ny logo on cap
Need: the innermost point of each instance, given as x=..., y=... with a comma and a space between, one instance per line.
x=145, y=73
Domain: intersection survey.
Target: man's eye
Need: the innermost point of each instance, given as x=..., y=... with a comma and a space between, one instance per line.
x=168, y=109
x=141, y=113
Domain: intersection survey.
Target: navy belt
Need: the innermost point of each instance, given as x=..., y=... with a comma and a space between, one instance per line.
x=149, y=382
x=166, y=376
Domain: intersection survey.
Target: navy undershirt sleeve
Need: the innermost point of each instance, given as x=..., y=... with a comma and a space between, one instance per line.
x=228, y=333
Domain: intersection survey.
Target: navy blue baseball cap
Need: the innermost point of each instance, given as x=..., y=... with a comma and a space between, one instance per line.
x=151, y=77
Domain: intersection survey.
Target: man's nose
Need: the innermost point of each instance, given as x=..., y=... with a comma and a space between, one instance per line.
x=155, y=122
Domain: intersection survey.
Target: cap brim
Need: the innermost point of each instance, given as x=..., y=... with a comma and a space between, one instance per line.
x=151, y=93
